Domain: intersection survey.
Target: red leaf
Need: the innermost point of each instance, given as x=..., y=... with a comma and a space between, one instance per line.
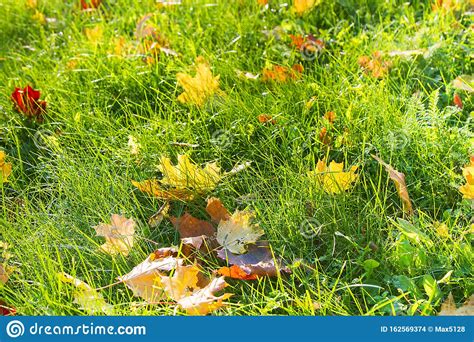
x=189, y=226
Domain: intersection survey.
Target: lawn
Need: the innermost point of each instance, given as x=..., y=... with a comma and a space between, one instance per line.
x=270, y=93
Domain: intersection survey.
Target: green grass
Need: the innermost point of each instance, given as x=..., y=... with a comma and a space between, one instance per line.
x=75, y=170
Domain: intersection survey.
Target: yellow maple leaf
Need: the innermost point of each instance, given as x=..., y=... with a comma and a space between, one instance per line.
x=118, y=235
x=468, y=172
x=302, y=6
x=183, y=180
x=199, y=88
x=238, y=231
x=86, y=297
x=192, y=292
x=5, y=168
x=332, y=178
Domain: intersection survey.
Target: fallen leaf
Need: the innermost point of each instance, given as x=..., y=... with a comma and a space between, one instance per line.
x=375, y=65
x=186, y=287
x=4, y=275
x=94, y=34
x=199, y=88
x=6, y=310
x=155, y=188
x=133, y=145
x=216, y=210
x=118, y=235
x=246, y=75
x=144, y=279
x=265, y=118
x=86, y=297
x=181, y=181
x=5, y=168
x=302, y=6
x=332, y=178
x=281, y=74
x=464, y=82
x=90, y=5
x=238, y=231
x=235, y=272
x=468, y=172
x=257, y=262
x=189, y=226
x=448, y=308
x=399, y=179
x=156, y=219
x=27, y=101
x=457, y=101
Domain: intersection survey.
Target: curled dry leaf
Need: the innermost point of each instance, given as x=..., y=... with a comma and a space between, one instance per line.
x=193, y=292
x=238, y=231
x=118, y=235
x=448, y=308
x=5, y=168
x=332, y=178
x=399, y=179
x=468, y=172
x=199, y=88
x=257, y=262
x=182, y=181
x=86, y=297
x=144, y=279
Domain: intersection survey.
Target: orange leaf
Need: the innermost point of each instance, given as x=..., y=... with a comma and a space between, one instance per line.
x=236, y=272
x=216, y=210
x=264, y=118
x=189, y=226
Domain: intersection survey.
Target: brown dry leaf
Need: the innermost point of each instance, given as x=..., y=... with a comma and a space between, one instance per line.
x=5, y=168
x=118, y=235
x=144, y=279
x=448, y=308
x=189, y=226
x=199, y=88
x=203, y=244
x=238, y=231
x=187, y=288
x=86, y=297
x=257, y=262
x=216, y=210
x=399, y=179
